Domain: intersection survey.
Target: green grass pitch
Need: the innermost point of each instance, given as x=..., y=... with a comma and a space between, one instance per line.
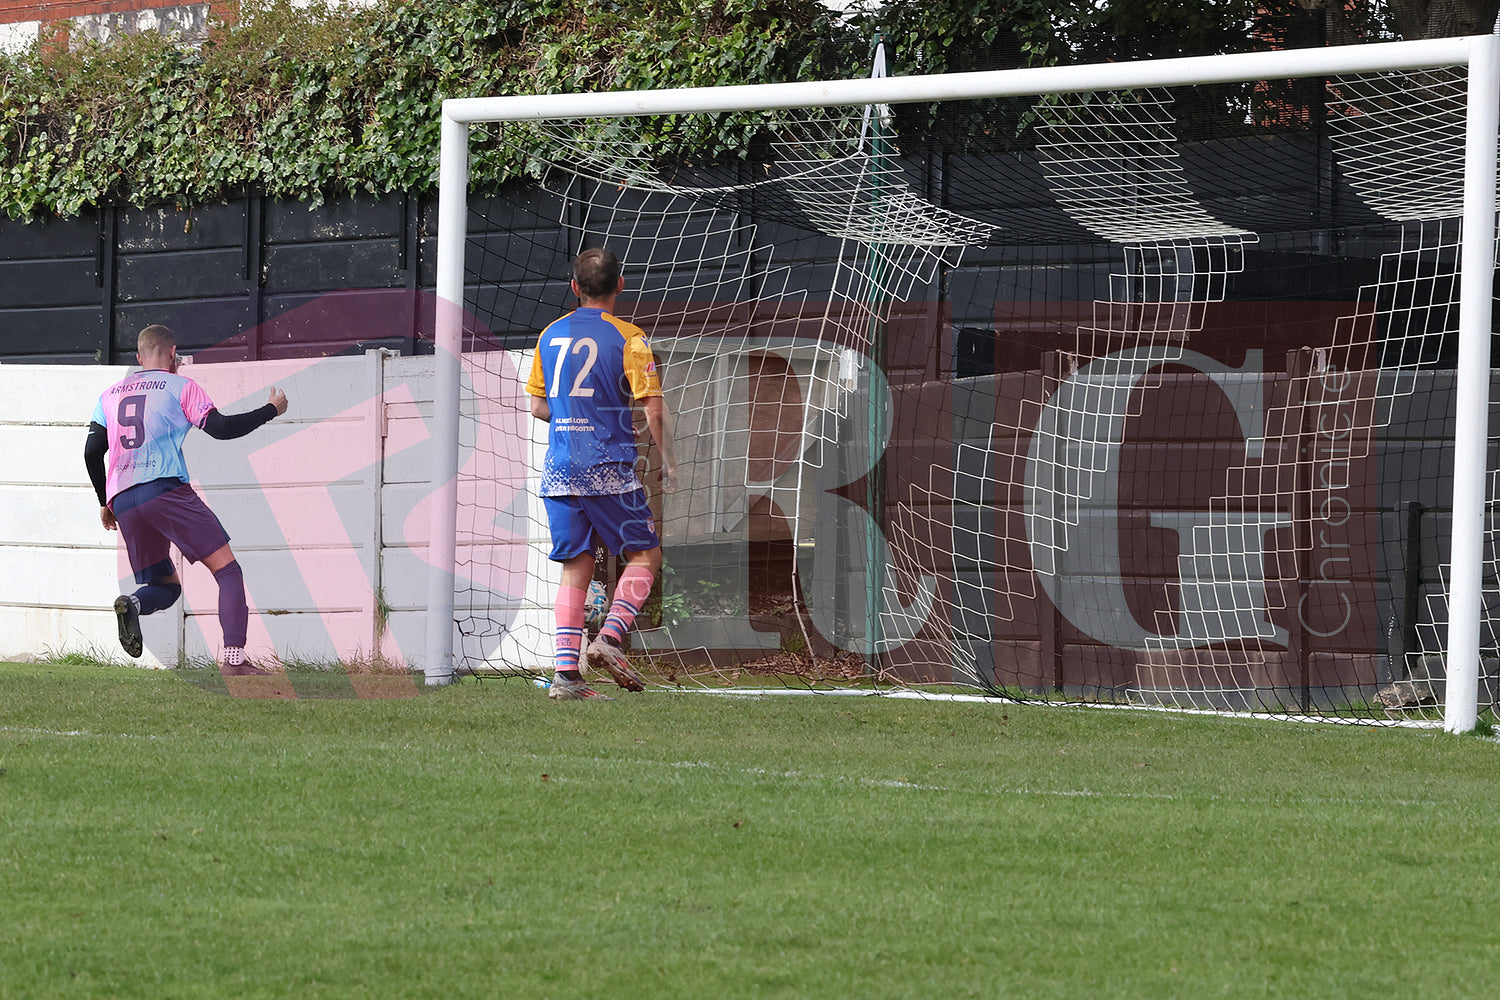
x=160, y=840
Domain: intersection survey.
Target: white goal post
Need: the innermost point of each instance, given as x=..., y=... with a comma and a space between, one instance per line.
x=1479, y=54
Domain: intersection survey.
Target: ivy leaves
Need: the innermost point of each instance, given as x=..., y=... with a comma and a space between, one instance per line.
x=319, y=99
x=312, y=101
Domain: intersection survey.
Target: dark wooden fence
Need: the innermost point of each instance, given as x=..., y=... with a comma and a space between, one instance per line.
x=78, y=290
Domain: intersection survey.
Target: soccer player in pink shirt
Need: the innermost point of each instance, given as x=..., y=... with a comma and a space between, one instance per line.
x=137, y=428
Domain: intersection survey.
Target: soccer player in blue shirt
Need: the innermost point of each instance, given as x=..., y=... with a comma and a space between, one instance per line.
x=589, y=370
x=138, y=425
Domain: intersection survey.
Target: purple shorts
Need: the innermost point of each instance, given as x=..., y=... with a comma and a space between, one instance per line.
x=177, y=517
x=623, y=522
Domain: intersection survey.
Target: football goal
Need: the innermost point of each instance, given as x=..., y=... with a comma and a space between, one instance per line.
x=1161, y=384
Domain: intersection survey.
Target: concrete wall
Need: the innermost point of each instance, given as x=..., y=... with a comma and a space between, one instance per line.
x=325, y=506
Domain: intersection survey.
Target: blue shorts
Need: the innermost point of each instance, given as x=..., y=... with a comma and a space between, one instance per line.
x=623, y=522
x=178, y=517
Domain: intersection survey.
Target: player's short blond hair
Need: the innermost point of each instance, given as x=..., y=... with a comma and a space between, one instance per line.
x=154, y=339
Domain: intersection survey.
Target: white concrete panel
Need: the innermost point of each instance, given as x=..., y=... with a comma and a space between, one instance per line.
x=494, y=411
x=50, y=454
x=301, y=500
x=36, y=632
x=408, y=447
x=316, y=388
x=415, y=373
x=289, y=581
x=65, y=516
x=190, y=21
x=510, y=573
x=502, y=517
x=18, y=36
x=403, y=579
x=60, y=578
x=287, y=452
x=341, y=514
x=308, y=638
x=408, y=632
x=59, y=394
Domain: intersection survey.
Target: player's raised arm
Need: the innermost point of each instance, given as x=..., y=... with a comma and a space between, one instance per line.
x=226, y=428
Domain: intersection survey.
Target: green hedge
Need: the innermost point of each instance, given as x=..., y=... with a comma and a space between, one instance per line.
x=311, y=103
x=308, y=103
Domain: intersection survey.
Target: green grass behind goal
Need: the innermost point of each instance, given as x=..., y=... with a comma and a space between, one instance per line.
x=159, y=840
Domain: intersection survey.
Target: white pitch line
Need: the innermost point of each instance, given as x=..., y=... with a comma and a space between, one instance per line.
x=73, y=732
x=844, y=692
x=1002, y=790
x=909, y=694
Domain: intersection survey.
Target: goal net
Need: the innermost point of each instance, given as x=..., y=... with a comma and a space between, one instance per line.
x=1135, y=385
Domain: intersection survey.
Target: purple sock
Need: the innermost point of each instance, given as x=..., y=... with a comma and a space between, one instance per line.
x=156, y=597
x=234, y=613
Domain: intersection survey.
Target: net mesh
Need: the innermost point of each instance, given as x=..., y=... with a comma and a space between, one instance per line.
x=1140, y=396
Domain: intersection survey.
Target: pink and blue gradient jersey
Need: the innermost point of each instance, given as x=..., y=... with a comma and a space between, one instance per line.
x=590, y=366
x=147, y=415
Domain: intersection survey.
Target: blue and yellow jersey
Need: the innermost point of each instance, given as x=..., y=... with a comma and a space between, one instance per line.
x=590, y=366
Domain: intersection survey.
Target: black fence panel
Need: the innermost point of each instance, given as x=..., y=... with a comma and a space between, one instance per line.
x=243, y=280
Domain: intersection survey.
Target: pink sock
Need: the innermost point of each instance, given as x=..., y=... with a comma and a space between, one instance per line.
x=631, y=592
x=569, y=615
